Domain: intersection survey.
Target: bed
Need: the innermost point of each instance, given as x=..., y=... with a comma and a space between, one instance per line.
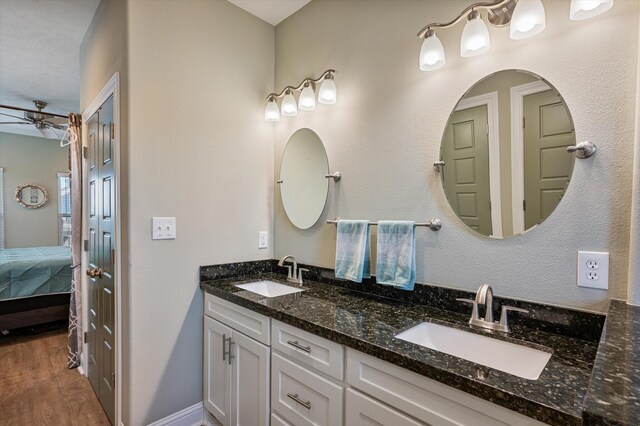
x=34, y=285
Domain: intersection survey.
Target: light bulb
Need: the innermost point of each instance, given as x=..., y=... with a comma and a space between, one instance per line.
x=289, y=107
x=475, y=36
x=328, y=94
x=431, y=52
x=528, y=19
x=307, y=100
x=585, y=9
x=272, y=112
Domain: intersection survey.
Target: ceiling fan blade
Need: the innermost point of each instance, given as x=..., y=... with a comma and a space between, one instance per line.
x=49, y=133
x=14, y=116
x=14, y=122
x=58, y=120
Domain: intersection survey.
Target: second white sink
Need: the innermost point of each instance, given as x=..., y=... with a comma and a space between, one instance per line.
x=269, y=288
x=521, y=361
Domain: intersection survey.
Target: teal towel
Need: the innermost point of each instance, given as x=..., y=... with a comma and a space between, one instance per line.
x=352, y=250
x=396, y=264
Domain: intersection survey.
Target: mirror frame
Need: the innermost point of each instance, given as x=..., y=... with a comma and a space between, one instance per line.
x=31, y=206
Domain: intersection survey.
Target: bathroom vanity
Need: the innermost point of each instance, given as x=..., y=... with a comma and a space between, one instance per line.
x=329, y=355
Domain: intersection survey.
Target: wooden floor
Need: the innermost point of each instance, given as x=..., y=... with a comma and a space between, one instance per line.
x=37, y=388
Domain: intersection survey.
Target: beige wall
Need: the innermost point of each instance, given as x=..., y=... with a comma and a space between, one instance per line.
x=385, y=133
x=28, y=159
x=199, y=150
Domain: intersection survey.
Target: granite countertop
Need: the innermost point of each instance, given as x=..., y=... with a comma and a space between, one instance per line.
x=368, y=323
x=613, y=397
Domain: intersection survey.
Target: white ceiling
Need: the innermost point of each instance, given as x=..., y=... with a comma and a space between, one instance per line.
x=39, y=55
x=271, y=11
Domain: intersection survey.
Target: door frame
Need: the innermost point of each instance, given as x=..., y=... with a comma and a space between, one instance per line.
x=112, y=88
x=495, y=196
x=517, y=149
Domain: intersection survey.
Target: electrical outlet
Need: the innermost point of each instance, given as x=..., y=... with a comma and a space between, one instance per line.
x=263, y=239
x=593, y=269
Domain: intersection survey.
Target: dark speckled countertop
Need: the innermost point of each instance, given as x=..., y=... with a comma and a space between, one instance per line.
x=368, y=323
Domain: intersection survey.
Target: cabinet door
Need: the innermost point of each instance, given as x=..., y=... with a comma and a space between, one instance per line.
x=250, y=386
x=217, y=371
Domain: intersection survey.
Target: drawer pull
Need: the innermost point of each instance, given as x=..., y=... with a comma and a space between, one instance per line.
x=297, y=345
x=305, y=404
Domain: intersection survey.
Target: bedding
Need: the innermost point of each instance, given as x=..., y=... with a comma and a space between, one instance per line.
x=34, y=271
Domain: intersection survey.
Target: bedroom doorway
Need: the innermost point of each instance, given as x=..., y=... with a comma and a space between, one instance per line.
x=100, y=270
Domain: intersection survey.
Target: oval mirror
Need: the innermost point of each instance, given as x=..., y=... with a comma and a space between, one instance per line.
x=504, y=163
x=303, y=186
x=31, y=196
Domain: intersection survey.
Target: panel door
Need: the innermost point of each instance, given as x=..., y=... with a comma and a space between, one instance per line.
x=547, y=165
x=100, y=204
x=217, y=371
x=465, y=151
x=250, y=382
x=360, y=410
x=94, y=330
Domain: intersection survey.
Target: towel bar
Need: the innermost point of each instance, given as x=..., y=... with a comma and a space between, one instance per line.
x=434, y=224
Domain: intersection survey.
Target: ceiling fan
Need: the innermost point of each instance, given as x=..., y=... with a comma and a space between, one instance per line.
x=45, y=122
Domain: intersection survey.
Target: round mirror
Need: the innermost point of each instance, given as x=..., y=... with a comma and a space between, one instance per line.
x=504, y=163
x=303, y=185
x=31, y=196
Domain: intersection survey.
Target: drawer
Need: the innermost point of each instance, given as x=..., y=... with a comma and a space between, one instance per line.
x=278, y=421
x=360, y=410
x=316, y=352
x=427, y=400
x=251, y=323
x=302, y=397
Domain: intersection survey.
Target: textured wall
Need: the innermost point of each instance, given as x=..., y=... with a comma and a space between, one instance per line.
x=201, y=151
x=27, y=159
x=385, y=132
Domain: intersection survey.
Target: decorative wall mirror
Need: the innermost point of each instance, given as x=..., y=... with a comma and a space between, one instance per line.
x=303, y=178
x=504, y=163
x=31, y=196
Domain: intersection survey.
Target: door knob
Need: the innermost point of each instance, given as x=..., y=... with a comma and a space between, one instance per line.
x=98, y=272
x=91, y=273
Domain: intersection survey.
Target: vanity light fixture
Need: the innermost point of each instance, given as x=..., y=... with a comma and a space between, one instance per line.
x=526, y=18
x=327, y=95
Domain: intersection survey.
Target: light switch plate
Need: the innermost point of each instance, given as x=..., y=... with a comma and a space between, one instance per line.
x=593, y=269
x=263, y=239
x=163, y=228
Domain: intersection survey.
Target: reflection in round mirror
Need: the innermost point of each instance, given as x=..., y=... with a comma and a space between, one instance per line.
x=303, y=185
x=504, y=149
x=31, y=196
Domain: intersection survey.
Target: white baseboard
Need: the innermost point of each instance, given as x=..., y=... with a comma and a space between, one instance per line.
x=190, y=416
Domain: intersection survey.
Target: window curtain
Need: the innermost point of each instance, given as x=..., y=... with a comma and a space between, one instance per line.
x=75, y=305
x=1, y=209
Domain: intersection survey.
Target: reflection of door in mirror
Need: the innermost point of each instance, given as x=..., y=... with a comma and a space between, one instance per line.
x=465, y=152
x=548, y=130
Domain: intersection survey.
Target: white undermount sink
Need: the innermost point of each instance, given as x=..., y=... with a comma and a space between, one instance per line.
x=521, y=361
x=269, y=288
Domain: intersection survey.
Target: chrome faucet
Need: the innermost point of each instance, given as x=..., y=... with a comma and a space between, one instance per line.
x=294, y=275
x=484, y=296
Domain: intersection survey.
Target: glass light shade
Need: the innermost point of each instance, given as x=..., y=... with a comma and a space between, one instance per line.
x=289, y=106
x=431, y=54
x=475, y=38
x=307, y=100
x=585, y=9
x=328, y=94
x=272, y=112
x=528, y=19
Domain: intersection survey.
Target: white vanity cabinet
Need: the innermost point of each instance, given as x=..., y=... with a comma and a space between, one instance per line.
x=307, y=373
x=236, y=367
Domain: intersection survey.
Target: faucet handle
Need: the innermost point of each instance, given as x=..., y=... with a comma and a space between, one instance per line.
x=504, y=320
x=469, y=301
x=300, y=271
